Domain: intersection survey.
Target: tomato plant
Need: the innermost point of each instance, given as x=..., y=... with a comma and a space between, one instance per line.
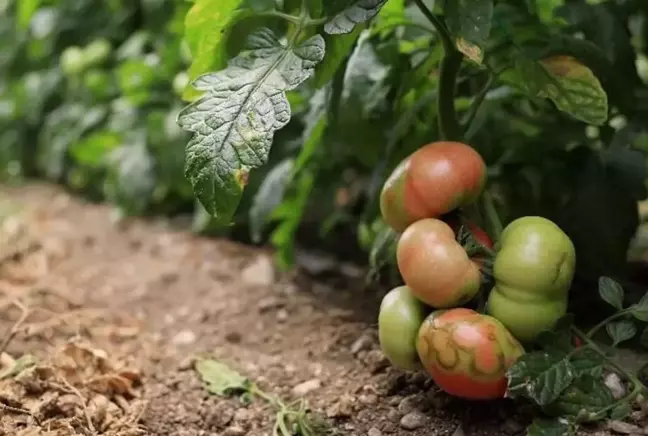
x=435, y=267
x=301, y=112
x=467, y=354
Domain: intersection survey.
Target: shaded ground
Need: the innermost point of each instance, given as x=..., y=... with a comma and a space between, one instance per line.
x=129, y=306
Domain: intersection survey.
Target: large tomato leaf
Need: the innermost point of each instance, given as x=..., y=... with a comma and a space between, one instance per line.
x=540, y=376
x=356, y=12
x=587, y=395
x=572, y=87
x=235, y=121
x=469, y=21
x=205, y=26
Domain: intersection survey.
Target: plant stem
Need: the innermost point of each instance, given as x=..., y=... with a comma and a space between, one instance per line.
x=637, y=386
x=492, y=217
x=448, y=124
x=278, y=14
x=440, y=27
x=602, y=324
x=479, y=99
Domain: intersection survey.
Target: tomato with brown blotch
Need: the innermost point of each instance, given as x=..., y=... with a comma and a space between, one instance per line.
x=434, y=180
x=435, y=266
x=467, y=354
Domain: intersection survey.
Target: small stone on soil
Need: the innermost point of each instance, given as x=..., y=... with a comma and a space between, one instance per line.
x=625, y=428
x=282, y=315
x=615, y=384
x=374, y=432
x=511, y=426
x=185, y=337
x=234, y=431
x=393, y=415
x=413, y=420
x=259, y=273
x=342, y=409
x=363, y=343
x=411, y=403
x=306, y=387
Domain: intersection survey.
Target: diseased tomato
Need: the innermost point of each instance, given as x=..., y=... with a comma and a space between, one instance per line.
x=467, y=354
x=434, y=180
x=533, y=272
x=400, y=318
x=435, y=266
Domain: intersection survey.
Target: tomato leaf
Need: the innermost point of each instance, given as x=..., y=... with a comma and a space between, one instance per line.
x=621, y=331
x=359, y=11
x=220, y=379
x=640, y=310
x=470, y=23
x=205, y=26
x=269, y=196
x=551, y=427
x=587, y=362
x=235, y=121
x=585, y=396
x=621, y=412
x=644, y=337
x=611, y=292
x=337, y=50
x=383, y=249
x=26, y=9
x=572, y=87
x=540, y=376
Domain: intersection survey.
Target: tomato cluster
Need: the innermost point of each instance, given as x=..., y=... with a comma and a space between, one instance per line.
x=422, y=324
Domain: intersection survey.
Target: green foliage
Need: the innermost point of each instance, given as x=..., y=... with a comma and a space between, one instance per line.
x=567, y=382
x=280, y=114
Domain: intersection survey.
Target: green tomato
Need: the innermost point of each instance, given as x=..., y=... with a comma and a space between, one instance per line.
x=399, y=321
x=72, y=61
x=533, y=271
x=97, y=52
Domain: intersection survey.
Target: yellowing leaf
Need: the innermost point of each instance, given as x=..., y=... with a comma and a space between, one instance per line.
x=579, y=91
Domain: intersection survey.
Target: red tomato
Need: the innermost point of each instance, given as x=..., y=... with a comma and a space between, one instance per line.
x=435, y=266
x=467, y=354
x=434, y=180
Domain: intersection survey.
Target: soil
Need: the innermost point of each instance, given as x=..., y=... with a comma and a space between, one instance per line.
x=113, y=316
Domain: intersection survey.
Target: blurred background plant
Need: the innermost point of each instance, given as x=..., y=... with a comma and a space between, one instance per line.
x=90, y=92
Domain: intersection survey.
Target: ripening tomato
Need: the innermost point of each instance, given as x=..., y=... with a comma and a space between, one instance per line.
x=533, y=271
x=435, y=266
x=434, y=180
x=399, y=320
x=467, y=354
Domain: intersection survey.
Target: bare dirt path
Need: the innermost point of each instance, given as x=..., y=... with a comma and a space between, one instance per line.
x=128, y=307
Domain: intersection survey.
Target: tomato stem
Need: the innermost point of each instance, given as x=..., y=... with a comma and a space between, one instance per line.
x=492, y=217
x=637, y=385
x=449, y=126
